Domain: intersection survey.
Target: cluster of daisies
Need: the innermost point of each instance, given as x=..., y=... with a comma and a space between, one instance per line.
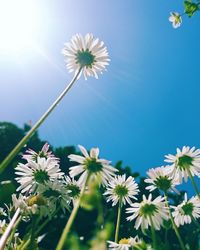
x=44, y=189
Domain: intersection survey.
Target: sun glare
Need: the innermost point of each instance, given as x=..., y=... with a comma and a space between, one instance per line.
x=18, y=21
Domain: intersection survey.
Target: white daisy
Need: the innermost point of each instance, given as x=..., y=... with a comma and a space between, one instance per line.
x=56, y=194
x=34, y=173
x=160, y=178
x=92, y=166
x=36, y=204
x=149, y=212
x=121, y=189
x=73, y=187
x=184, y=163
x=124, y=244
x=2, y=226
x=186, y=211
x=176, y=19
x=86, y=52
x=31, y=155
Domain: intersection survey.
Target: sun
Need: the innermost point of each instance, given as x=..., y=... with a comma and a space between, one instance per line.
x=18, y=24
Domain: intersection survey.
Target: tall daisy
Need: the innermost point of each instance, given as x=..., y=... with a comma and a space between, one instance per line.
x=160, y=178
x=86, y=52
x=187, y=211
x=121, y=190
x=33, y=173
x=186, y=163
x=90, y=165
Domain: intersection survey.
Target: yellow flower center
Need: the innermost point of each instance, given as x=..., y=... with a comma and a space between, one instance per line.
x=37, y=199
x=124, y=241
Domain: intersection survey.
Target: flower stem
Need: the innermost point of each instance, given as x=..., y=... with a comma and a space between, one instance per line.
x=25, y=139
x=70, y=221
x=9, y=229
x=118, y=221
x=153, y=233
x=194, y=184
x=174, y=225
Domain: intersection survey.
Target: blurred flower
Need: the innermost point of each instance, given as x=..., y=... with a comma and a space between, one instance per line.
x=31, y=155
x=2, y=212
x=86, y=52
x=121, y=189
x=2, y=226
x=176, y=19
x=34, y=173
x=149, y=210
x=184, y=163
x=160, y=178
x=56, y=194
x=90, y=165
x=186, y=211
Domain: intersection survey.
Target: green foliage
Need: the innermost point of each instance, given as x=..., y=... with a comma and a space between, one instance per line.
x=190, y=8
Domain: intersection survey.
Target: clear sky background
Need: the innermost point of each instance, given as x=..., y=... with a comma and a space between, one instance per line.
x=142, y=108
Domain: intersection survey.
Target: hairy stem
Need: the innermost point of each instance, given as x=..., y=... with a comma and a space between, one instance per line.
x=174, y=225
x=71, y=219
x=118, y=221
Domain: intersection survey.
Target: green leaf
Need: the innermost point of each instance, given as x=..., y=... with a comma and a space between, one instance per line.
x=190, y=8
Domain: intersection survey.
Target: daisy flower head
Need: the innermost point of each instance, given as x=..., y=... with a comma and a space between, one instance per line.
x=87, y=53
x=160, y=178
x=186, y=211
x=121, y=189
x=29, y=205
x=33, y=173
x=73, y=187
x=186, y=162
x=124, y=244
x=90, y=165
x=31, y=155
x=149, y=212
x=175, y=19
x=56, y=195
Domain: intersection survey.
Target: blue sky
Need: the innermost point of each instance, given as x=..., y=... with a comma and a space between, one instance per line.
x=142, y=108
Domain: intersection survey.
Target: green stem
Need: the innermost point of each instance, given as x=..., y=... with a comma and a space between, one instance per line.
x=24, y=245
x=174, y=225
x=25, y=139
x=32, y=239
x=153, y=233
x=13, y=232
x=118, y=221
x=194, y=184
x=70, y=221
